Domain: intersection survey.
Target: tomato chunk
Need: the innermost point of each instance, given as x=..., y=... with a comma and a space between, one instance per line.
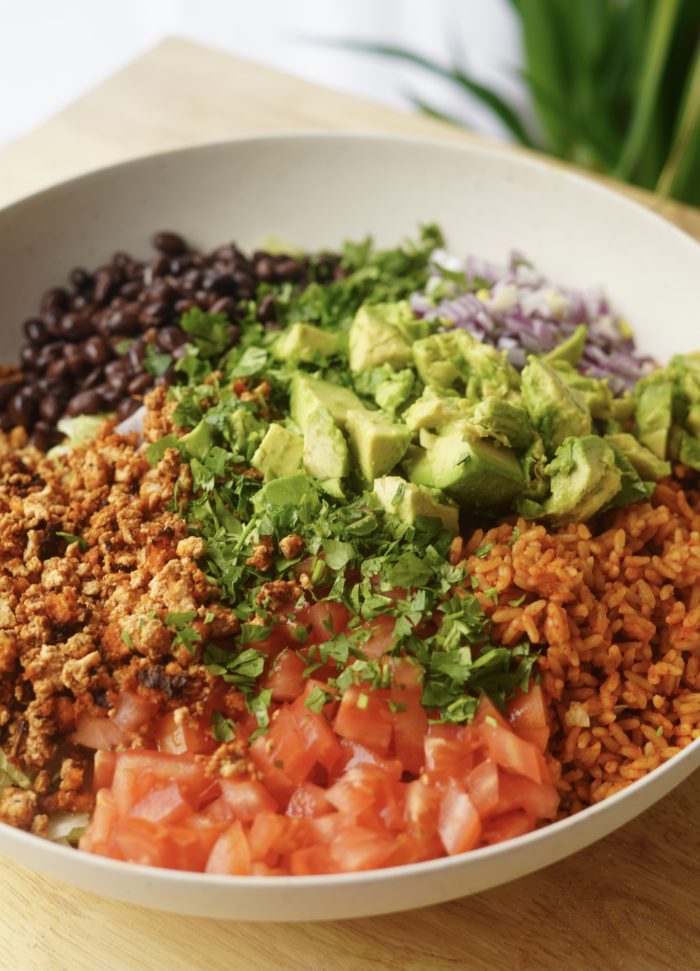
x=364, y=716
x=164, y=805
x=246, y=798
x=528, y=716
x=286, y=679
x=230, y=853
x=459, y=825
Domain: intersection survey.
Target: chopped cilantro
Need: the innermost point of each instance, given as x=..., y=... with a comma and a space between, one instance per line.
x=317, y=698
x=222, y=728
x=185, y=634
x=126, y=637
x=155, y=362
x=71, y=538
x=210, y=332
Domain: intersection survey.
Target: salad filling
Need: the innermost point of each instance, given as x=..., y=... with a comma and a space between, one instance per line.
x=412, y=571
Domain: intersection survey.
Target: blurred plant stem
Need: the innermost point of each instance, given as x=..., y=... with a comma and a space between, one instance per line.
x=614, y=85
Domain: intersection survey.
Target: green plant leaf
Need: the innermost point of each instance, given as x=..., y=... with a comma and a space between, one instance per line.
x=663, y=18
x=456, y=75
x=679, y=167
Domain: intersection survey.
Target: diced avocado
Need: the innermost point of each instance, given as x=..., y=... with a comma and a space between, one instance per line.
x=375, y=338
x=389, y=388
x=245, y=431
x=308, y=393
x=401, y=316
x=407, y=501
x=650, y=467
x=596, y=393
x=622, y=408
x=556, y=410
x=439, y=359
x=304, y=342
x=689, y=451
x=473, y=471
x=534, y=463
x=584, y=476
x=504, y=421
x=198, y=442
x=377, y=444
x=446, y=359
x=326, y=454
x=570, y=350
x=436, y=408
x=289, y=490
x=632, y=487
x=280, y=453
x=692, y=422
x=654, y=414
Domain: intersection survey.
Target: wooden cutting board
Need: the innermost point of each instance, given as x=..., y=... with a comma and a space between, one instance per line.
x=629, y=903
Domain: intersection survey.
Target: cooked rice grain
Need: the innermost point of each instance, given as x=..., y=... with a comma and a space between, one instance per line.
x=617, y=617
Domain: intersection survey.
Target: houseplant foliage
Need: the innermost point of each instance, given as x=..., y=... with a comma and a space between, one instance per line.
x=614, y=85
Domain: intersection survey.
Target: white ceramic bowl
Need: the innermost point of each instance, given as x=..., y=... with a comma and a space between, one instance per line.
x=317, y=191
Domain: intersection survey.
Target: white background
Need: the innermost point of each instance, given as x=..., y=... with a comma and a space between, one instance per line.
x=53, y=50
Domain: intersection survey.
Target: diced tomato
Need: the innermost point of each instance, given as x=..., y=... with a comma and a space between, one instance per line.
x=286, y=678
x=133, y=711
x=409, y=728
x=319, y=738
x=459, y=825
x=487, y=712
x=179, y=736
x=309, y=860
x=361, y=849
x=231, y=853
x=446, y=759
x=364, y=716
x=539, y=799
x=95, y=839
x=219, y=811
x=482, y=786
x=356, y=754
x=327, y=618
x=281, y=755
x=246, y=798
x=140, y=841
x=421, y=806
x=103, y=769
x=192, y=842
x=267, y=836
x=94, y=731
x=381, y=637
x=164, y=805
x=137, y=772
x=510, y=751
x=308, y=800
x=528, y=715
x=507, y=826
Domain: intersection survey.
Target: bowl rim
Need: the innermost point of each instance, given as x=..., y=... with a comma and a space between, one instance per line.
x=517, y=158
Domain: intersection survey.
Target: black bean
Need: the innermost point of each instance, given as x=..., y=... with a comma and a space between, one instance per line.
x=8, y=388
x=52, y=320
x=287, y=269
x=85, y=403
x=160, y=266
x=43, y=436
x=50, y=352
x=169, y=243
x=22, y=407
x=35, y=331
x=107, y=282
x=29, y=356
x=182, y=306
x=111, y=396
x=234, y=334
x=140, y=384
x=76, y=363
x=223, y=285
x=126, y=407
x=136, y=355
x=74, y=327
x=55, y=300
x=179, y=352
x=163, y=292
x=55, y=386
x=95, y=350
x=81, y=279
x=169, y=338
x=92, y=379
x=131, y=290
x=166, y=379
x=116, y=368
x=122, y=322
x=154, y=314
x=50, y=408
x=58, y=369
x=267, y=310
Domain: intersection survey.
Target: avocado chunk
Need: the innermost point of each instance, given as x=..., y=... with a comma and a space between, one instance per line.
x=326, y=456
x=584, y=476
x=689, y=451
x=435, y=409
x=305, y=342
x=504, y=421
x=570, y=350
x=456, y=357
x=309, y=393
x=439, y=358
x=280, y=453
x=476, y=473
x=649, y=466
x=595, y=392
x=245, y=431
x=632, y=487
x=556, y=410
x=389, y=388
x=377, y=444
x=375, y=336
x=198, y=442
x=654, y=414
x=408, y=501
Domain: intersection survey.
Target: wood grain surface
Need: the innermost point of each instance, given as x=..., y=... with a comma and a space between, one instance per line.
x=629, y=903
